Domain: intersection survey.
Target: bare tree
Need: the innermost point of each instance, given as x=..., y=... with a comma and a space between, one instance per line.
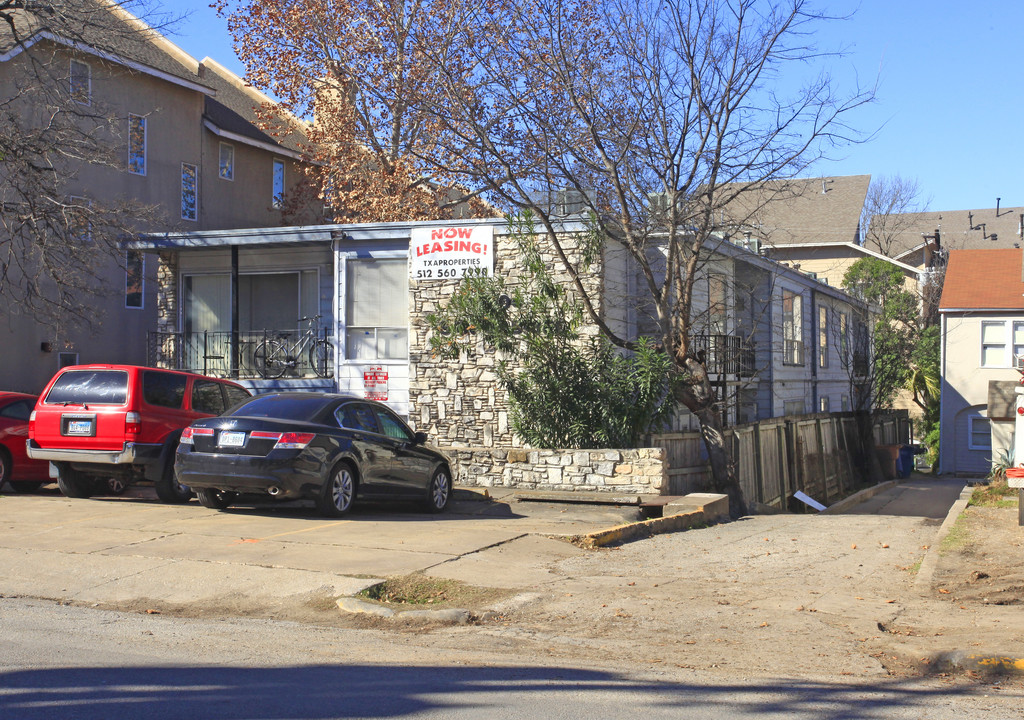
x=56, y=240
x=655, y=118
x=890, y=210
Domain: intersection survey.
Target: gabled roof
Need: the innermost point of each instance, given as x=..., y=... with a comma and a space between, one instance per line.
x=104, y=29
x=808, y=211
x=983, y=280
x=234, y=112
x=962, y=229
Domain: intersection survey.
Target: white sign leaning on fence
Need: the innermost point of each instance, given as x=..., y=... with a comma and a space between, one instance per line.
x=443, y=253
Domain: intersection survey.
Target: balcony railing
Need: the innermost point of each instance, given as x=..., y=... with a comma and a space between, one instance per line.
x=726, y=354
x=209, y=352
x=792, y=352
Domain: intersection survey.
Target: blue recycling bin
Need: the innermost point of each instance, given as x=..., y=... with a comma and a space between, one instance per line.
x=905, y=463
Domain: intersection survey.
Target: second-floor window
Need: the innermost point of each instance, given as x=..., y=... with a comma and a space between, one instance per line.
x=81, y=82
x=792, y=328
x=189, y=192
x=226, y=169
x=718, y=313
x=1002, y=343
x=822, y=336
x=137, y=144
x=277, y=198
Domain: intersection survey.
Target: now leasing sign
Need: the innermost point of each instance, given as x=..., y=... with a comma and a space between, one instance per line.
x=451, y=252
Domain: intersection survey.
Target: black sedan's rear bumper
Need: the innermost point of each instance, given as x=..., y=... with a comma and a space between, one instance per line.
x=292, y=477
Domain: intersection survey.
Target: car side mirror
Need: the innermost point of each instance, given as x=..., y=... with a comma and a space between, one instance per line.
x=419, y=438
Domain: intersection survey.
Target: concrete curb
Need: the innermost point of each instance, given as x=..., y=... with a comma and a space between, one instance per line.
x=923, y=581
x=985, y=664
x=642, y=529
x=858, y=497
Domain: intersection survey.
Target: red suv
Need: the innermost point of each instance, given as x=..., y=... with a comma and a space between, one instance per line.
x=96, y=422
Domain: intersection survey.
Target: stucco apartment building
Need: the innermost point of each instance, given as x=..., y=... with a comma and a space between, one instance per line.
x=191, y=149
x=982, y=315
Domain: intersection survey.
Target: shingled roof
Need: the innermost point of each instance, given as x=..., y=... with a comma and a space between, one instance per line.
x=101, y=28
x=983, y=280
x=989, y=228
x=235, y=110
x=807, y=211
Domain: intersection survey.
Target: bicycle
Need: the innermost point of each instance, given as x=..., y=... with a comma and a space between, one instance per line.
x=272, y=357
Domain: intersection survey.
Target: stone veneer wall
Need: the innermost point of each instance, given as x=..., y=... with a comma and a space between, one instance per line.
x=461, y=403
x=638, y=471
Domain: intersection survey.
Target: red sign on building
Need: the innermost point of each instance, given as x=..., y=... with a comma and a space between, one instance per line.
x=375, y=383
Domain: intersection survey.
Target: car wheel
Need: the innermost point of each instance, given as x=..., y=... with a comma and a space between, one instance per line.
x=75, y=484
x=169, y=490
x=337, y=493
x=439, y=491
x=215, y=499
x=116, y=485
x=5, y=467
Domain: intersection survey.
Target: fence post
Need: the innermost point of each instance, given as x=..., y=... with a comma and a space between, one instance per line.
x=821, y=454
x=758, y=466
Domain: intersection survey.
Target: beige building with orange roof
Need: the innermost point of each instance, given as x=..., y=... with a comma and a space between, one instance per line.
x=982, y=316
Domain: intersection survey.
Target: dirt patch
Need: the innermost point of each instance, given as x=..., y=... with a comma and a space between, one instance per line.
x=423, y=592
x=981, y=561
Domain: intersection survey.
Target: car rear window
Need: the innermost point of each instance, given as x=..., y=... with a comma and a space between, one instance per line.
x=277, y=406
x=90, y=387
x=163, y=389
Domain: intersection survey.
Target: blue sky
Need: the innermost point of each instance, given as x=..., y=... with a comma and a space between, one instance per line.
x=948, y=109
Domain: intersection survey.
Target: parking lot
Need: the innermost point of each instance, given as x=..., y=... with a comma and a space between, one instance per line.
x=133, y=550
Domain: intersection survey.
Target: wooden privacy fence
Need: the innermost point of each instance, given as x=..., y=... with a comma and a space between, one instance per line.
x=819, y=454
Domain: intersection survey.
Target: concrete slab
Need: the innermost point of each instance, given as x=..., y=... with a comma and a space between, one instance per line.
x=520, y=563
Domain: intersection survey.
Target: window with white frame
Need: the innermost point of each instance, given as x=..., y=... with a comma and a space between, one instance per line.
x=376, y=309
x=189, y=192
x=823, y=336
x=794, y=407
x=1002, y=343
x=792, y=328
x=226, y=167
x=844, y=403
x=979, y=433
x=277, y=197
x=136, y=144
x=823, y=404
x=134, y=279
x=81, y=82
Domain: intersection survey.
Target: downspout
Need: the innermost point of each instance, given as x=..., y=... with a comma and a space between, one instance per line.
x=815, y=407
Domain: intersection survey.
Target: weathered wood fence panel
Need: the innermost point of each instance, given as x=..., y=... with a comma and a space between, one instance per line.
x=818, y=454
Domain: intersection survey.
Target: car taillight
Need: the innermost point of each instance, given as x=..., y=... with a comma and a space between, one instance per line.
x=132, y=423
x=188, y=433
x=284, y=441
x=32, y=424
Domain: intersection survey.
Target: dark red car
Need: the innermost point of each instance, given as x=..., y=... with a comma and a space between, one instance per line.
x=16, y=468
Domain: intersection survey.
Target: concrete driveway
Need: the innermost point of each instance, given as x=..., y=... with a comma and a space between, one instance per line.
x=133, y=549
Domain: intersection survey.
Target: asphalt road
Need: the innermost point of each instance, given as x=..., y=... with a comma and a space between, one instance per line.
x=59, y=662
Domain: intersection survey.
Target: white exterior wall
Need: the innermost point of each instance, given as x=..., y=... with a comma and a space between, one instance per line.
x=965, y=392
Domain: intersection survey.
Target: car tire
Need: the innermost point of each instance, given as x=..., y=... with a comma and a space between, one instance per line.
x=5, y=468
x=169, y=490
x=75, y=484
x=338, y=492
x=439, y=491
x=215, y=499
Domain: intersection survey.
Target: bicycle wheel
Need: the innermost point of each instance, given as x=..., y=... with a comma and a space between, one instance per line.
x=320, y=356
x=268, y=357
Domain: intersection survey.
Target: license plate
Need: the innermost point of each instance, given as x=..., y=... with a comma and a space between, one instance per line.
x=79, y=427
x=232, y=439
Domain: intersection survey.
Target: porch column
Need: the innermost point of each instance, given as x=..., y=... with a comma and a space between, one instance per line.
x=234, y=311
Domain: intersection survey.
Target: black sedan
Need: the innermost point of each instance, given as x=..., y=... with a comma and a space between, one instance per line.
x=328, y=448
